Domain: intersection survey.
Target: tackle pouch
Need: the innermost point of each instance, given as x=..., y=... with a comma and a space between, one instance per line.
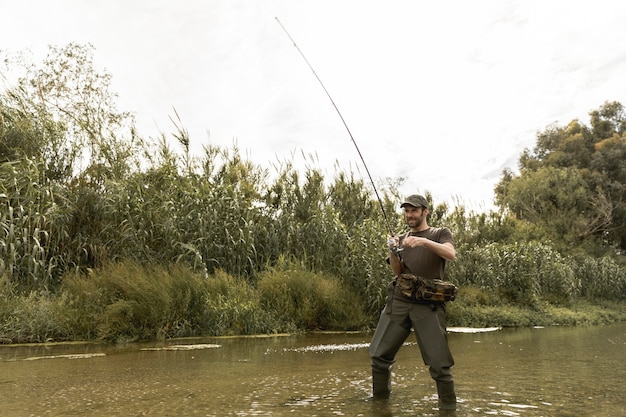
x=416, y=288
x=437, y=290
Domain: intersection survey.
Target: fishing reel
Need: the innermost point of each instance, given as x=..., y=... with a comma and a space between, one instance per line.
x=393, y=246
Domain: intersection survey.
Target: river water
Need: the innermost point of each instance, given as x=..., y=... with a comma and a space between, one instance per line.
x=555, y=371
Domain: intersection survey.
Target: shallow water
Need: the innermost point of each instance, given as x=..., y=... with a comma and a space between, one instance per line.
x=556, y=371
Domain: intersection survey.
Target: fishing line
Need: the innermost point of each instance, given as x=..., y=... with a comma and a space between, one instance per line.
x=380, y=202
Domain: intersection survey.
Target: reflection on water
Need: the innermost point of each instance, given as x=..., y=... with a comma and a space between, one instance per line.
x=576, y=371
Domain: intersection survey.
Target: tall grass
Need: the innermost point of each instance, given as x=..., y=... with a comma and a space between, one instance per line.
x=27, y=225
x=303, y=299
x=601, y=278
x=227, y=225
x=520, y=272
x=126, y=301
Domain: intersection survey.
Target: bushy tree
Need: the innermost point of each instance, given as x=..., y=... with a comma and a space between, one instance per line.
x=573, y=183
x=64, y=112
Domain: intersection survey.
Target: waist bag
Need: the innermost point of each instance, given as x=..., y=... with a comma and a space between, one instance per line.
x=417, y=288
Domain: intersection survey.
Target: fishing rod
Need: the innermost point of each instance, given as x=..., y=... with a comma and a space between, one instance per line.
x=380, y=202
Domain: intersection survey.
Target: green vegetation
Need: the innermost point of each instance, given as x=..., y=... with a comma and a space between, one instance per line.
x=126, y=302
x=107, y=236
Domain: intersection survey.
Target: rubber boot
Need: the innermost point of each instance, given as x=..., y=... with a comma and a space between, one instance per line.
x=447, y=396
x=381, y=383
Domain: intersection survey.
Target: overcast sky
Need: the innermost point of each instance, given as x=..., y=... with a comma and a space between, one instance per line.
x=443, y=93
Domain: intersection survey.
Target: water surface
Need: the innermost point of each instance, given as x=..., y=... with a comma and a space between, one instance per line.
x=556, y=371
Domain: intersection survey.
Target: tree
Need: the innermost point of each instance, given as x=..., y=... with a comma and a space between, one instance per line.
x=64, y=113
x=573, y=183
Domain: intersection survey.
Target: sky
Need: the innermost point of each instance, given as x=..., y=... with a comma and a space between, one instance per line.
x=445, y=94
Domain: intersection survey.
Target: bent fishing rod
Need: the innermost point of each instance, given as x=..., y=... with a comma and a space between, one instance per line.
x=380, y=202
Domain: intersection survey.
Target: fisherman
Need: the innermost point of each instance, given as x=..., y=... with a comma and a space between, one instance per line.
x=420, y=253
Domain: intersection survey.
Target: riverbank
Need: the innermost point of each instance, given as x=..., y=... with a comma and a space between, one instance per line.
x=127, y=302
x=40, y=319
x=542, y=313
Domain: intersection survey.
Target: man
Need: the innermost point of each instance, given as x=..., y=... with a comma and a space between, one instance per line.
x=422, y=252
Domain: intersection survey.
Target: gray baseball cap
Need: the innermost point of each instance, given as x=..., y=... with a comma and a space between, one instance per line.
x=415, y=200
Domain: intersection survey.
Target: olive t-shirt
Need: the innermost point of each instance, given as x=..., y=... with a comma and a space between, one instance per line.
x=421, y=261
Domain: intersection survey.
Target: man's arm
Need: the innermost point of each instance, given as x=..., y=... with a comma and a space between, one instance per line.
x=445, y=250
x=395, y=263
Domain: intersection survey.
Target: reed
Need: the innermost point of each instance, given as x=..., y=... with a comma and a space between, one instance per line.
x=521, y=272
x=601, y=278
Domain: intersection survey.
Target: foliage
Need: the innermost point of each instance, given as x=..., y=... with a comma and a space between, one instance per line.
x=234, y=307
x=306, y=300
x=126, y=301
x=601, y=278
x=573, y=183
x=520, y=272
x=31, y=318
x=580, y=312
x=104, y=235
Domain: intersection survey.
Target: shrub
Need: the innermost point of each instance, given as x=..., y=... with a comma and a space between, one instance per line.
x=33, y=318
x=307, y=300
x=127, y=301
x=232, y=307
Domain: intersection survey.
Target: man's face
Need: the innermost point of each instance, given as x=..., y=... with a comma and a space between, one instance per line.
x=414, y=216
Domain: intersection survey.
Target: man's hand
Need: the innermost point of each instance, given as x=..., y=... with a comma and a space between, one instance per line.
x=414, y=241
x=392, y=242
x=445, y=250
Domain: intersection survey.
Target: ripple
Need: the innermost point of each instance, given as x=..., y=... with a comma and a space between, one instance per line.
x=72, y=356
x=186, y=347
x=329, y=348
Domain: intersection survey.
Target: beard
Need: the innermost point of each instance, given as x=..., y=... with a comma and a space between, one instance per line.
x=415, y=222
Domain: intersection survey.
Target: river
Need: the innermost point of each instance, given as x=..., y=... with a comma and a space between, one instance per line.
x=554, y=371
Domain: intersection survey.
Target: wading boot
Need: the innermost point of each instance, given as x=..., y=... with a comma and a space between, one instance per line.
x=447, y=396
x=381, y=383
